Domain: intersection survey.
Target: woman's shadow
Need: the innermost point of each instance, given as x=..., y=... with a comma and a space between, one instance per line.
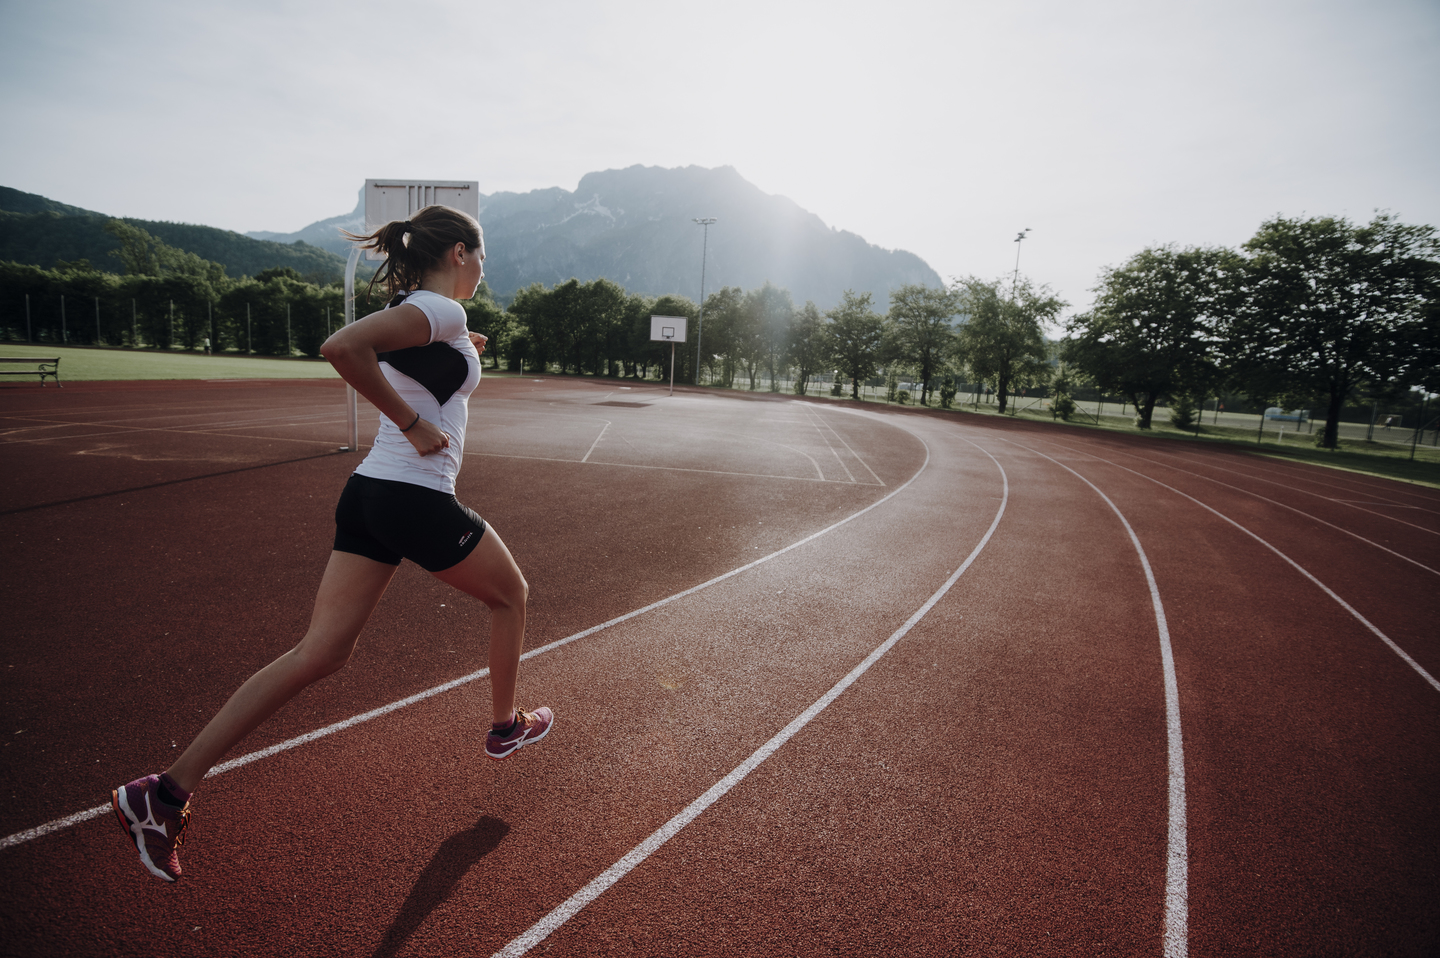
x=452, y=860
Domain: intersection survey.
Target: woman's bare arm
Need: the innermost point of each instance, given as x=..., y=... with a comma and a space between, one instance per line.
x=353, y=351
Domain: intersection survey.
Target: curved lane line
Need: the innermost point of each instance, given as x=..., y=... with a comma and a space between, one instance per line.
x=1317, y=495
x=543, y=928
x=20, y=838
x=597, y=440
x=1298, y=512
x=1405, y=657
x=1177, y=864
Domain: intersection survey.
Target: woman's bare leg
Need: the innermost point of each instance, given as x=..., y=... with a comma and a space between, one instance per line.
x=491, y=575
x=349, y=591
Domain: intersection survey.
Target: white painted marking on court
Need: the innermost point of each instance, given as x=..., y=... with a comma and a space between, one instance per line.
x=546, y=926
x=1298, y=512
x=19, y=838
x=1404, y=656
x=1177, y=864
x=597, y=440
x=642, y=465
x=1307, y=492
x=842, y=442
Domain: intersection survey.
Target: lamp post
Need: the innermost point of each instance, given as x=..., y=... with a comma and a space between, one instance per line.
x=700, y=324
x=1016, y=279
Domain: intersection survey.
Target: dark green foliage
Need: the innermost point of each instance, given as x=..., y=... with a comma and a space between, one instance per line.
x=1153, y=331
x=42, y=232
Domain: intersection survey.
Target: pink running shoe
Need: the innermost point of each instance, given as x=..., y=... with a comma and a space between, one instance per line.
x=152, y=825
x=529, y=727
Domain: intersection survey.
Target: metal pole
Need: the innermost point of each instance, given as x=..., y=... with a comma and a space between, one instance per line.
x=1419, y=426
x=249, y=338
x=672, y=367
x=1015, y=281
x=64, y=335
x=97, y=320
x=700, y=325
x=352, y=410
x=289, y=347
x=28, y=336
x=134, y=327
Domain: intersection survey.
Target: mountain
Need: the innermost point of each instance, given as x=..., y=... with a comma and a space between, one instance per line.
x=635, y=226
x=42, y=232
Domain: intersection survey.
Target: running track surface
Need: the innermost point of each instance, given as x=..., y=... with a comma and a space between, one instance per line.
x=1179, y=700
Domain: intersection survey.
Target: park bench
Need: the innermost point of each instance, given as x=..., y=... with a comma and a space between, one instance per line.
x=43, y=368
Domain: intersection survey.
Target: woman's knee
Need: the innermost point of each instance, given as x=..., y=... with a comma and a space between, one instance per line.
x=317, y=660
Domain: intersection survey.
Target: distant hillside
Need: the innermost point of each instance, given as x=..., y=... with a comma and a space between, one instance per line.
x=635, y=226
x=42, y=232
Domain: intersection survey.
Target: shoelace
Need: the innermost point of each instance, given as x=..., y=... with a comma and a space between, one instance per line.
x=184, y=821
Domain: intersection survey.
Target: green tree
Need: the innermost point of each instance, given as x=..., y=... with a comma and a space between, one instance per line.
x=1154, y=331
x=1001, y=340
x=1330, y=306
x=806, y=346
x=856, y=335
x=723, y=334
x=922, y=335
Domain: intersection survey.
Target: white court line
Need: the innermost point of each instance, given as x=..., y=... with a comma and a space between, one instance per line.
x=852, y=452
x=1276, y=502
x=562, y=913
x=19, y=838
x=586, y=457
x=641, y=465
x=1298, y=568
x=829, y=445
x=1317, y=495
x=1177, y=863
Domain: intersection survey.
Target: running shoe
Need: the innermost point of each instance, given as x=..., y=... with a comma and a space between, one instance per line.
x=156, y=829
x=529, y=727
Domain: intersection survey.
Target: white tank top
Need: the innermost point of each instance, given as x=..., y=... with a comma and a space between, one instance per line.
x=436, y=380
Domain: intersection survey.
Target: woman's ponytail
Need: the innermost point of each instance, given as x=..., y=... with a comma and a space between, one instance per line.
x=415, y=246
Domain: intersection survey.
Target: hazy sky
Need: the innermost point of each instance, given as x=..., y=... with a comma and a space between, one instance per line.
x=940, y=128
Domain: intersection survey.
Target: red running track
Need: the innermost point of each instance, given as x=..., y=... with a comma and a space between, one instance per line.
x=736, y=770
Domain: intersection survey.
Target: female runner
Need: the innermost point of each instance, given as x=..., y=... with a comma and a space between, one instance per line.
x=417, y=364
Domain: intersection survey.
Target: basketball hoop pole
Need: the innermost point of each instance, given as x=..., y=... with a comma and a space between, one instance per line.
x=352, y=411
x=672, y=367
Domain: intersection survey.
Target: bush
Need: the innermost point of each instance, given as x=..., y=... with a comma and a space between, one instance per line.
x=903, y=397
x=1182, y=412
x=947, y=392
x=837, y=388
x=1063, y=406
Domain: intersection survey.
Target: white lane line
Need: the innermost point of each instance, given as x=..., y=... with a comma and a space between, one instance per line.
x=597, y=440
x=847, y=446
x=1293, y=488
x=1276, y=502
x=641, y=465
x=829, y=445
x=1404, y=656
x=19, y=838
x=1177, y=865
x=543, y=928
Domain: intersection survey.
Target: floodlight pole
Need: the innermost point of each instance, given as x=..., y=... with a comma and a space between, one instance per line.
x=700, y=324
x=1015, y=280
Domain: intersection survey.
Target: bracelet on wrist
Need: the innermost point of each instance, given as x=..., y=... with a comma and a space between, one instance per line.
x=412, y=423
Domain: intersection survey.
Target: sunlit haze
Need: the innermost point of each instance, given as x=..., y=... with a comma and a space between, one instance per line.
x=939, y=128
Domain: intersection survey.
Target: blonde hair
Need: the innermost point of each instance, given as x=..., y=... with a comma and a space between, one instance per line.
x=415, y=246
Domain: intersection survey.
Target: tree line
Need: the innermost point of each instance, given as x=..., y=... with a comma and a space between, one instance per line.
x=1309, y=313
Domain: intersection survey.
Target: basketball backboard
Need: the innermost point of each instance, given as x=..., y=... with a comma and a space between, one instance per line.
x=396, y=199
x=667, y=329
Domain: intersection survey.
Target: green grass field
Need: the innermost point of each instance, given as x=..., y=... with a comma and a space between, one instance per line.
x=81, y=364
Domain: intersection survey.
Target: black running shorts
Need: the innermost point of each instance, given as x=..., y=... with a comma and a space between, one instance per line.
x=387, y=521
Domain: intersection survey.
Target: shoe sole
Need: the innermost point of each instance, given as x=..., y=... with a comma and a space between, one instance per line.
x=123, y=813
x=524, y=741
